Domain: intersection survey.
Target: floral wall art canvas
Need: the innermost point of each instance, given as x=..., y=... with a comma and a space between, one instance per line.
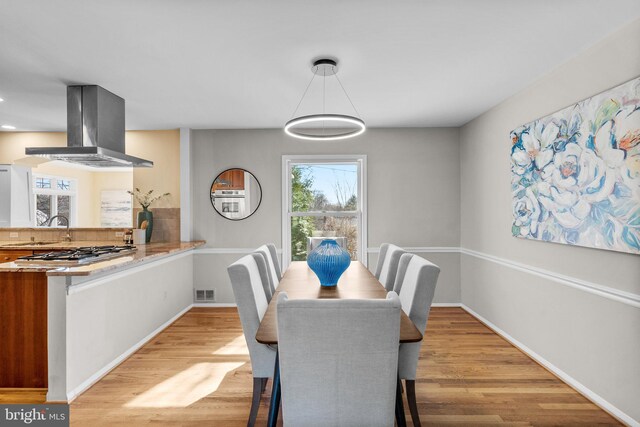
x=576, y=173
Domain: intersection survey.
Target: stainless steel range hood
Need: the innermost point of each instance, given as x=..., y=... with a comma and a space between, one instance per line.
x=95, y=131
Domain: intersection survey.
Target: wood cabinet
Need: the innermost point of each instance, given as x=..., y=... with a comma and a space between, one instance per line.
x=23, y=335
x=8, y=255
x=232, y=179
x=23, y=316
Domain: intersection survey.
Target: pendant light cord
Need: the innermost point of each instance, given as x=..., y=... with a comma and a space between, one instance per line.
x=347, y=95
x=324, y=95
x=303, y=95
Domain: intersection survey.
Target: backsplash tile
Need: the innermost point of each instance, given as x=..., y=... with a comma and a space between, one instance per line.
x=166, y=224
x=166, y=228
x=58, y=234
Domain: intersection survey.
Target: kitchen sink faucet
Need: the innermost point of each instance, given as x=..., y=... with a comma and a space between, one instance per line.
x=67, y=238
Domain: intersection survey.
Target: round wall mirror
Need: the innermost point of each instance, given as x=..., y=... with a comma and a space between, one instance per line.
x=236, y=194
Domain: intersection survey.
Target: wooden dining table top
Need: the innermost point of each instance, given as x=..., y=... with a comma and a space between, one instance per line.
x=357, y=282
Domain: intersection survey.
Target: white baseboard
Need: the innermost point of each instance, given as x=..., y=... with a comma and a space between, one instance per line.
x=230, y=304
x=579, y=387
x=215, y=304
x=71, y=395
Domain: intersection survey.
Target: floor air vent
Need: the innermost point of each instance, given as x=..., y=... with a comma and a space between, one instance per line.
x=205, y=295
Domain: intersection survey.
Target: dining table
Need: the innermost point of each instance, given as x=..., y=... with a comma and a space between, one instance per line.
x=300, y=282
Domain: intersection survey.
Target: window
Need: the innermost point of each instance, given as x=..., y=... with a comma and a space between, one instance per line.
x=43, y=182
x=63, y=184
x=54, y=196
x=324, y=197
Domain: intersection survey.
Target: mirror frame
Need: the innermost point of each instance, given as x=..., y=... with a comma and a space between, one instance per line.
x=220, y=213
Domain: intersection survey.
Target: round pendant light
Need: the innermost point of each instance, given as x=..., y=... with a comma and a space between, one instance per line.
x=330, y=127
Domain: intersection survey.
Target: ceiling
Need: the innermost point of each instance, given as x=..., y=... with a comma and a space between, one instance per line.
x=245, y=64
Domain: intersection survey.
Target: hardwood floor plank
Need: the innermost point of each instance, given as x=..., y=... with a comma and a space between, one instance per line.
x=198, y=372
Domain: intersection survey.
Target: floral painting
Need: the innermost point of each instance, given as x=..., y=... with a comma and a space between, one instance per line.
x=576, y=173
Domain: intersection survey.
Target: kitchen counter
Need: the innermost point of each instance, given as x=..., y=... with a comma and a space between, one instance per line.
x=144, y=253
x=56, y=246
x=64, y=327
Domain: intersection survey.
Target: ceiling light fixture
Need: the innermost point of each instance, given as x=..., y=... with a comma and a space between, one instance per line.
x=1, y=99
x=8, y=127
x=330, y=127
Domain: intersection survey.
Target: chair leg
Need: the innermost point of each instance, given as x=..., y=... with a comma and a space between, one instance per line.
x=264, y=385
x=411, y=398
x=255, y=401
x=401, y=421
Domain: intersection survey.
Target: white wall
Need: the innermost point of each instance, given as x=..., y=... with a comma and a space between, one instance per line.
x=416, y=167
x=593, y=338
x=103, y=319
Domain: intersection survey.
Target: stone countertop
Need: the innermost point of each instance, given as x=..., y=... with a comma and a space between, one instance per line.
x=55, y=246
x=144, y=253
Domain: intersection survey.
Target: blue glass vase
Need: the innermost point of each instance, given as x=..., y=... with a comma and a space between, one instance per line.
x=328, y=260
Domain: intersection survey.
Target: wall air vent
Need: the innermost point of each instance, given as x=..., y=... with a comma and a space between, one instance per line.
x=205, y=295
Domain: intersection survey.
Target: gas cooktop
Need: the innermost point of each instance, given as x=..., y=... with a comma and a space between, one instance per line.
x=83, y=255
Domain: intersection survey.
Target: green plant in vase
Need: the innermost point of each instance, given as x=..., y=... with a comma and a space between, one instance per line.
x=145, y=217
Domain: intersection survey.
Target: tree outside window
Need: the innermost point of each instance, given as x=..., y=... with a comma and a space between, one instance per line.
x=54, y=196
x=327, y=192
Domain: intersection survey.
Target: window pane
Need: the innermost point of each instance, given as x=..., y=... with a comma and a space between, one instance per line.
x=324, y=187
x=43, y=182
x=309, y=231
x=64, y=184
x=43, y=209
x=64, y=208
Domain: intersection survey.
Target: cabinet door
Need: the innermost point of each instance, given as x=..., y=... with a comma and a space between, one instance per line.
x=238, y=179
x=224, y=181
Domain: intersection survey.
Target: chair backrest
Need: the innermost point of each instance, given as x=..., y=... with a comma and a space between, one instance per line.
x=249, y=292
x=338, y=360
x=265, y=276
x=415, y=284
x=387, y=266
x=271, y=257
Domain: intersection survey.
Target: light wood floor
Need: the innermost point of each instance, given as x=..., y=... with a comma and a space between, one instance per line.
x=197, y=372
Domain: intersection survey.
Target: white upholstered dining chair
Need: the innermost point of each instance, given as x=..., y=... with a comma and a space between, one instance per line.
x=415, y=284
x=249, y=292
x=337, y=359
x=387, y=265
x=273, y=266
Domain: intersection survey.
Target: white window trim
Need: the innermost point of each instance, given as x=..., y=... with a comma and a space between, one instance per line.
x=55, y=191
x=287, y=162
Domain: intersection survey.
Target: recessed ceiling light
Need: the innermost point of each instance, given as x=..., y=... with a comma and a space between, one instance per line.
x=1, y=99
x=8, y=127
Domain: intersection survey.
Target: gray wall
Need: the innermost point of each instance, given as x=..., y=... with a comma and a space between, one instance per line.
x=416, y=167
x=593, y=339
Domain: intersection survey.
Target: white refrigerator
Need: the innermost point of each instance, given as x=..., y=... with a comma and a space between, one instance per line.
x=16, y=196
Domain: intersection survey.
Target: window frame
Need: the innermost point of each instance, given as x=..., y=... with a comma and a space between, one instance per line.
x=54, y=191
x=288, y=161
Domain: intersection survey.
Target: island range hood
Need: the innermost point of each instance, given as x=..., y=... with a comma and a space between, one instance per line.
x=95, y=131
